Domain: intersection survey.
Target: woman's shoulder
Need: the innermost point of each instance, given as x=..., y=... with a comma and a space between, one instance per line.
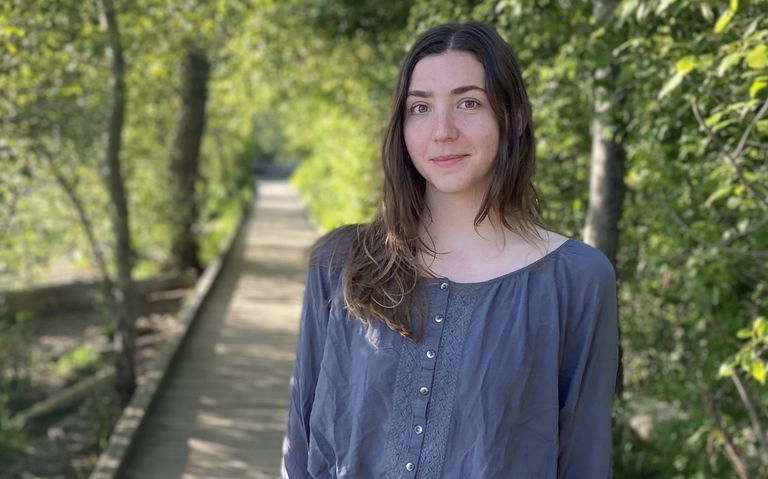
x=586, y=263
x=332, y=249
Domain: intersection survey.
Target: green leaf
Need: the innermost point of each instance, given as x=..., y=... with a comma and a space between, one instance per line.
x=671, y=84
x=751, y=27
x=704, y=62
x=663, y=5
x=760, y=327
x=577, y=205
x=727, y=62
x=757, y=85
x=720, y=193
x=733, y=202
x=741, y=107
x=744, y=333
x=722, y=124
x=725, y=370
x=11, y=30
x=685, y=64
x=726, y=17
x=758, y=57
x=758, y=371
x=713, y=118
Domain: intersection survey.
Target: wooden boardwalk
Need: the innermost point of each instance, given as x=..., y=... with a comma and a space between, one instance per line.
x=221, y=414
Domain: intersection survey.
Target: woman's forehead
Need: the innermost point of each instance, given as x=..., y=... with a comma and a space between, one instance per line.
x=447, y=71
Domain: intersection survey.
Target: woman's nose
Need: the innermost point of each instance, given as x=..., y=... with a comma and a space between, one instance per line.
x=445, y=127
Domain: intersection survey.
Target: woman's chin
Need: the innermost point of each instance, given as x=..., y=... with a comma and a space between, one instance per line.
x=455, y=189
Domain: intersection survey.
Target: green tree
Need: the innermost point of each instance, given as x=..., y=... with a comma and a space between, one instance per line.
x=127, y=299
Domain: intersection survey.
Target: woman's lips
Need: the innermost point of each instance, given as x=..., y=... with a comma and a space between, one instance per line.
x=447, y=160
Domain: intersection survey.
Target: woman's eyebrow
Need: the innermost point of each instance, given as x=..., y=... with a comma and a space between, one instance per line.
x=455, y=91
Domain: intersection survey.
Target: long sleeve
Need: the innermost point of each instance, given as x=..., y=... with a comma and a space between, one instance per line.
x=588, y=379
x=309, y=355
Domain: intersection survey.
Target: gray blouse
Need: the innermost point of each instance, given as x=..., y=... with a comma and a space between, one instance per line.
x=514, y=378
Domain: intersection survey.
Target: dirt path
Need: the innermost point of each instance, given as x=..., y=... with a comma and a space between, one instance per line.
x=222, y=412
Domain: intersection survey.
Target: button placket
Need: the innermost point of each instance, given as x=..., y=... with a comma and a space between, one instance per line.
x=421, y=396
x=423, y=393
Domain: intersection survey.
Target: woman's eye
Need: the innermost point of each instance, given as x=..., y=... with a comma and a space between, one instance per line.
x=470, y=104
x=419, y=108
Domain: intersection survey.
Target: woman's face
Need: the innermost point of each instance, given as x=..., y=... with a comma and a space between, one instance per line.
x=450, y=130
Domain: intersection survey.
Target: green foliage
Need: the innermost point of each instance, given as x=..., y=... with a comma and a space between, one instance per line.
x=344, y=194
x=12, y=437
x=80, y=358
x=329, y=113
x=14, y=380
x=751, y=357
x=675, y=453
x=222, y=221
x=54, y=84
x=694, y=222
x=53, y=114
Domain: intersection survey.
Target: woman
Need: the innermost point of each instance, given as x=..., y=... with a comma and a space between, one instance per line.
x=454, y=336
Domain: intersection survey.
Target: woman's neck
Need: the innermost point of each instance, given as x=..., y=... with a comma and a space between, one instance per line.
x=451, y=227
x=469, y=255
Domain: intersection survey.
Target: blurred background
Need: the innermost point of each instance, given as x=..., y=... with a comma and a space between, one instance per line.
x=131, y=132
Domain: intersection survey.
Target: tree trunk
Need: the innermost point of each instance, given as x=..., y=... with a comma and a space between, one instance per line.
x=184, y=164
x=125, y=293
x=606, y=184
x=606, y=189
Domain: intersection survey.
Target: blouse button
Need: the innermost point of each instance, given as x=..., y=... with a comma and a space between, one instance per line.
x=443, y=286
x=418, y=429
x=410, y=466
x=424, y=390
x=431, y=354
x=439, y=318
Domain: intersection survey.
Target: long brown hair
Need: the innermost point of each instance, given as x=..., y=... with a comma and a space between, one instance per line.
x=382, y=270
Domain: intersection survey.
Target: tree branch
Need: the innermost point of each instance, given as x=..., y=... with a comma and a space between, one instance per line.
x=743, y=140
x=732, y=156
x=730, y=449
x=750, y=406
x=755, y=254
x=746, y=232
x=71, y=192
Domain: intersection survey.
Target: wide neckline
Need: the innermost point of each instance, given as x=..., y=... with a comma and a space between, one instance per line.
x=443, y=279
